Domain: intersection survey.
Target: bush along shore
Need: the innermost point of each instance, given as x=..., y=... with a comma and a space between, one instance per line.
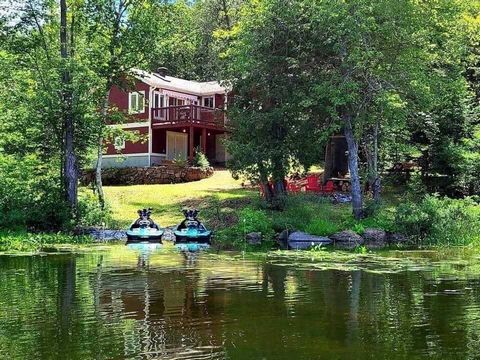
x=20, y=241
x=307, y=221
x=313, y=222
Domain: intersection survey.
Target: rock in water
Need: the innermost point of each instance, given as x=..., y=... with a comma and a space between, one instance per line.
x=375, y=238
x=397, y=239
x=254, y=238
x=301, y=241
x=282, y=239
x=346, y=240
x=107, y=235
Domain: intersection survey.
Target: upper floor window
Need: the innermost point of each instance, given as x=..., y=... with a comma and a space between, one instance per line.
x=158, y=100
x=136, y=102
x=208, y=101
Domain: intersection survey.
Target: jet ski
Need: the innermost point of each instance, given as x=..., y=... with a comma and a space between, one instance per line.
x=144, y=229
x=191, y=233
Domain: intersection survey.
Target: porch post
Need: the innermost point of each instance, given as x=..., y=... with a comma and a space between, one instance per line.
x=204, y=141
x=190, y=144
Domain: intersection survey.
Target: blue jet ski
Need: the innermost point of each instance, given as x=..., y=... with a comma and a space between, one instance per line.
x=144, y=229
x=191, y=232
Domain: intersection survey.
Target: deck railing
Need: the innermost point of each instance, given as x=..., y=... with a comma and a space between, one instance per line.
x=188, y=113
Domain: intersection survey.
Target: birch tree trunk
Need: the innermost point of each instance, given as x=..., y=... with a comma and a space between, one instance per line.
x=70, y=159
x=357, y=201
x=98, y=165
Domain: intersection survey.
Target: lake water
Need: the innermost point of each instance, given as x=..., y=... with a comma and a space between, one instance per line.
x=122, y=303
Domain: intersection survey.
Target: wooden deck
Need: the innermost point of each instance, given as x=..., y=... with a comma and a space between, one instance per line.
x=189, y=115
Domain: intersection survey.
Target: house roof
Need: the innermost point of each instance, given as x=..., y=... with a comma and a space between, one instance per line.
x=177, y=84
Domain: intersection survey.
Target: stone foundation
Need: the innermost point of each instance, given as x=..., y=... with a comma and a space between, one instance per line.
x=162, y=174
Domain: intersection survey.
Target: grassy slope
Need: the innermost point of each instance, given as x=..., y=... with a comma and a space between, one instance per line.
x=217, y=193
x=220, y=200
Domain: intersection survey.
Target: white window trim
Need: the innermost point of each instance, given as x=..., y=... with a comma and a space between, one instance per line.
x=119, y=143
x=209, y=97
x=130, y=110
x=159, y=115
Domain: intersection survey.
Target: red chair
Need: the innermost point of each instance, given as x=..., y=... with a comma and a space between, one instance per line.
x=329, y=186
x=313, y=183
x=293, y=187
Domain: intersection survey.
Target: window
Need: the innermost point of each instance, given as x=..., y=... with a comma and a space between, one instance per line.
x=158, y=100
x=119, y=143
x=208, y=102
x=136, y=102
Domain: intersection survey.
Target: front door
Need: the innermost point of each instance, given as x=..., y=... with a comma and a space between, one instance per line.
x=177, y=145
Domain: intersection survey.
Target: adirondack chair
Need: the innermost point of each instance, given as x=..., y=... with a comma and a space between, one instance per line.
x=293, y=187
x=313, y=183
x=329, y=187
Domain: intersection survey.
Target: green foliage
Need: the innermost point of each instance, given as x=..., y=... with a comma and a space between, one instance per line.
x=24, y=241
x=358, y=228
x=200, y=160
x=252, y=220
x=249, y=220
x=361, y=250
x=321, y=227
x=29, y=195
x=440, y=221
x=180, y=161
x=90, y=212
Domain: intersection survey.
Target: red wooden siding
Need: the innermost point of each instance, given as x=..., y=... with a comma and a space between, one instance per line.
x=159, y=141
x=130, y=147
x=119, y=98
x=219, y=101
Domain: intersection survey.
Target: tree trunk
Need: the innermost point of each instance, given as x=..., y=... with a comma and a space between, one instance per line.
x=98, y=165
x=328, y=171
x=98, y=173
x=225, y=15
x=357, y=201
x=70, y=159
x=376, y=184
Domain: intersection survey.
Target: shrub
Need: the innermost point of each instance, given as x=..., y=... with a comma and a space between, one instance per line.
x=440, y=221
x=201, y=160
x=89, y=211
x=30, y=194
x=250, y=220
x=179, y=161
x=321, y=227
x=23, y=241
x=384, y=219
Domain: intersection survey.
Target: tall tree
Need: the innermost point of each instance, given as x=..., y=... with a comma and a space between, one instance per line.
x=70, y=158
x=123, y=35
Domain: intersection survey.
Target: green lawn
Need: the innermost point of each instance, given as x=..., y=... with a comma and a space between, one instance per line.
x=219, y=193
x=232, y=210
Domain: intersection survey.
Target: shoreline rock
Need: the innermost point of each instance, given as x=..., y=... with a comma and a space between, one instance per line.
x=375, y=238
x=347, y=240
x=299, y=240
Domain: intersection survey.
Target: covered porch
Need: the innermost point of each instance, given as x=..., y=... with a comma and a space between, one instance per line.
x=182, y=142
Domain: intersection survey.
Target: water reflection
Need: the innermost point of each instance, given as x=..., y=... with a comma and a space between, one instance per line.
x=129, y=303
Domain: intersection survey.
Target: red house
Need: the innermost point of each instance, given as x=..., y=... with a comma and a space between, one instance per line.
x=176, y=116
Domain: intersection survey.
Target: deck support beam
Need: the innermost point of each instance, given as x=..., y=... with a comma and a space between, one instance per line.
x=190, y=143
x=204, y=141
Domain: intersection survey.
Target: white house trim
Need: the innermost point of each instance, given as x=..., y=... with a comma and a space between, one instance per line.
x=131, y=125
x=125, y=155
